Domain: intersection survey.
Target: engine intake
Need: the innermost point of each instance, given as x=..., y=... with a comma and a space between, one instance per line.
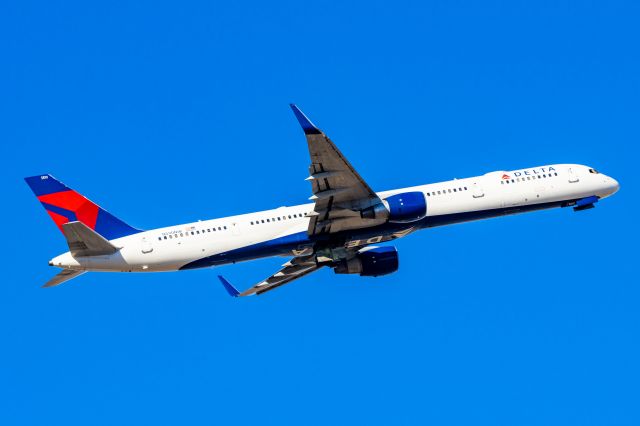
x=371, y=263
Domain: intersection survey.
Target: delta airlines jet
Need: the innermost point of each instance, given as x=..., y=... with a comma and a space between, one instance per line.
x=340, y=228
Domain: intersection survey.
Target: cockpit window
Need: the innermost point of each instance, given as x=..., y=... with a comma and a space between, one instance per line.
x=594, y=171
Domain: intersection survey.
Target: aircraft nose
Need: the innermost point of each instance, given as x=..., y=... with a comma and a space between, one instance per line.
x=615, y=185
x=612, y=185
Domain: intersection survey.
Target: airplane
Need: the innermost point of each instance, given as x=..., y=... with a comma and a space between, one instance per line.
x=340, y=228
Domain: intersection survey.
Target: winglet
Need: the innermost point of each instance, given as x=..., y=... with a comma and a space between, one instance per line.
x=233, y=292
x=308, y=127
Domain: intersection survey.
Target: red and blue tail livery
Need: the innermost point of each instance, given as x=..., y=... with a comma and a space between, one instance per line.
x=66, y=205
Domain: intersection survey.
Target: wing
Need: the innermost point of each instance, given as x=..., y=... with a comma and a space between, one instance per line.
x=64, y=275
x=339, y=192
x=292, y=270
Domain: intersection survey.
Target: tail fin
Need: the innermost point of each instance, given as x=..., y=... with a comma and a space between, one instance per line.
x=66, y=205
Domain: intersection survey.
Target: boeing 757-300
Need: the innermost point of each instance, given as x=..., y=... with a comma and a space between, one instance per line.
x=342, y=228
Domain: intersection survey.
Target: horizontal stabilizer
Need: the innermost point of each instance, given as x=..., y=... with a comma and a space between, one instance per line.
x=84, y=241
x=64, y=275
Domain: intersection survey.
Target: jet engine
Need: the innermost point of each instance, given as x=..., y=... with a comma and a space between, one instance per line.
x=406, y=207
x=371, y=262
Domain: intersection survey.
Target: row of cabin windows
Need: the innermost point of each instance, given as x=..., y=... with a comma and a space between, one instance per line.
x=279, y=218
x=526, y=178
x=445, y=191
x=186, y=233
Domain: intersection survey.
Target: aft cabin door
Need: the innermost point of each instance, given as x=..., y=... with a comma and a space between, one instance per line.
x=146, y=245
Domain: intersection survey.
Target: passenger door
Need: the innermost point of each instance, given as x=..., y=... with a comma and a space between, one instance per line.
x=146, y=245
x=477, y=190
x=573, y=177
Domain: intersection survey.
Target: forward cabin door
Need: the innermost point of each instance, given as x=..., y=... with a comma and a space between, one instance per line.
x=477, y=190
x=573, y=178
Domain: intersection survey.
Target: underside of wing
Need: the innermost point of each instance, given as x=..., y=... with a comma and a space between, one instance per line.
x=339, y=192
x=292, y=270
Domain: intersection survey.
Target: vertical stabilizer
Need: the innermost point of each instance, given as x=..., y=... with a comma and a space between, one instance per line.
x=66, y=205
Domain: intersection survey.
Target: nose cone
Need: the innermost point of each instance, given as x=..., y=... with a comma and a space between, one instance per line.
x=611, y=186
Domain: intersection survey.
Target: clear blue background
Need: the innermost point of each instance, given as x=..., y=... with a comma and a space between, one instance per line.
x=167, y=113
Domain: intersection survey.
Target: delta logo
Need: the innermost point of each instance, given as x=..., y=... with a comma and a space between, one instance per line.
x=529, y=172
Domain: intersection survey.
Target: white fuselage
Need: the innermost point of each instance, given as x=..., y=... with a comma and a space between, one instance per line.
x=282, y=231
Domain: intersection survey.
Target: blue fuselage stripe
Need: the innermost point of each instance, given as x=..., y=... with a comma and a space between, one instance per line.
x=285, y=245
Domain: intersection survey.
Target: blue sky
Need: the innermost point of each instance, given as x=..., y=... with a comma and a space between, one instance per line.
x=171, y=112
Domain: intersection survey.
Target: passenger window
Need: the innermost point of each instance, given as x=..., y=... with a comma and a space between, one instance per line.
x=225, y=227
x=454, y=190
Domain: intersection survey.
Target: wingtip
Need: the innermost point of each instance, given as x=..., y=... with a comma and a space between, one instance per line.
x=233, y=292
x=306, y=124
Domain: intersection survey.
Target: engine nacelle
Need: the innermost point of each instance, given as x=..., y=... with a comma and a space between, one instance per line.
x=406, y=207
x=400, y=208
x=371, y=263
